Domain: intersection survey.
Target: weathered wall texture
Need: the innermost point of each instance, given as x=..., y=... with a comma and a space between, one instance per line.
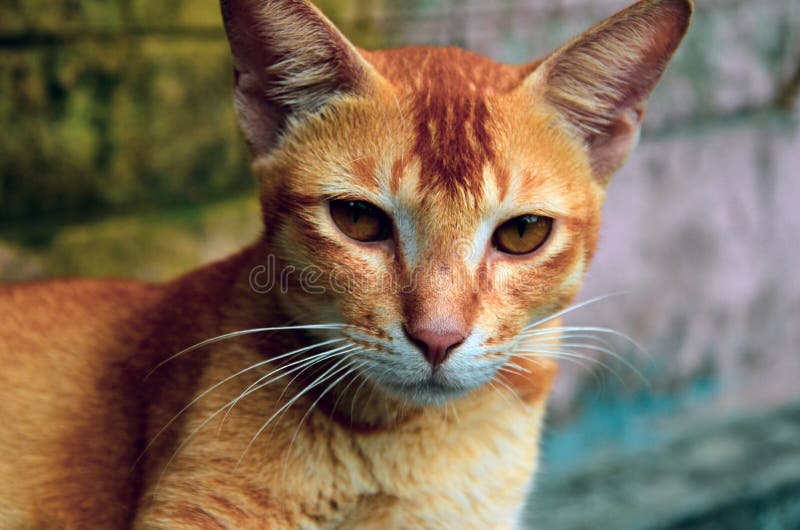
x=117, y=105
x=94, y=92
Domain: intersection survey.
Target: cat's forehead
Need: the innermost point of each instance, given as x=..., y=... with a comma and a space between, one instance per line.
x=448, y=96
x=450, y=139
x=452, y=71
x=446, y=70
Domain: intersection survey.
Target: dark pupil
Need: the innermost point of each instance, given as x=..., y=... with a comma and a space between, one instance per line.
x=523, y=222
x=357, y=209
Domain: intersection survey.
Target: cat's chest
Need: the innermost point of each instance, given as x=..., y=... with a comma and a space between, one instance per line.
x=466, y=465
x=466, y=469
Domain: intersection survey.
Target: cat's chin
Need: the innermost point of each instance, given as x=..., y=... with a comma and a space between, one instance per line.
x=425, y=393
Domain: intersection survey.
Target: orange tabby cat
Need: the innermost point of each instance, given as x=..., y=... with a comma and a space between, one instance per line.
x=425, y=211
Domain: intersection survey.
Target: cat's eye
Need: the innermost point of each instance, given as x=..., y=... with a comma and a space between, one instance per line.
x=361, y=220
x=523, y=234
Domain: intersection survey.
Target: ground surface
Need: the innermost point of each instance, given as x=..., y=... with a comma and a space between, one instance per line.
x=735, y=473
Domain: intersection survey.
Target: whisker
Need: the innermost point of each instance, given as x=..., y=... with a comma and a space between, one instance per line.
x=557, y=354
x=350, y=369
x=573, y=308
x=455, y=413
x=575, y=357
x=594, y=329
x=217, y=385
x=500, y=392
x=373, y=389
x=355, y=398
x=344, y=391
x=611, y=353
x=511, y=366
x=545, y=338
x=321, y=379
x=205, y=422
x=561, y=346
x=505, y=385
x=306, y=362
x=350, y=349
x=240, y=333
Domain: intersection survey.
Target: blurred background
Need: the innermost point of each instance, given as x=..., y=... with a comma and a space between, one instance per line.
x=120, y=156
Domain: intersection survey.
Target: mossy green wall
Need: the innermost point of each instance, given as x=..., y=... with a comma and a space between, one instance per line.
x=122, y=104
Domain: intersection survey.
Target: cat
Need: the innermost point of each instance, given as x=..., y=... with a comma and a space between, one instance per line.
x=428, y=215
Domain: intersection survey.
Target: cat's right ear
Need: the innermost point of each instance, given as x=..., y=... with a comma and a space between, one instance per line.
x=599, y=83
x=289, y=60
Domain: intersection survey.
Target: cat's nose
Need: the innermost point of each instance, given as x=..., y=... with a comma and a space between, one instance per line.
x=435, y=345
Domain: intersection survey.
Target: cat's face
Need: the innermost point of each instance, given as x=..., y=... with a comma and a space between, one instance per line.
x=462, y=233
x=432, y=200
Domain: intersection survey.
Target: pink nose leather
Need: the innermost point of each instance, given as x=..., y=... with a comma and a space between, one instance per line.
x=435, y=346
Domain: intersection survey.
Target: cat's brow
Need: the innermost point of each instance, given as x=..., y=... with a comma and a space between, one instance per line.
x=448, y=92
x=452, y=142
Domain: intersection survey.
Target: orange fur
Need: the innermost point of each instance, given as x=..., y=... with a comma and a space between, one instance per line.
x=95, y=428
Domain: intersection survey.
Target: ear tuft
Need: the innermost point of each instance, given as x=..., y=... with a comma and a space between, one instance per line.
x=599, y=82
x=289, y=60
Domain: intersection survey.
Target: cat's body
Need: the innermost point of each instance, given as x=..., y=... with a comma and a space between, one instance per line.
x=77, y=422
x=389, y=179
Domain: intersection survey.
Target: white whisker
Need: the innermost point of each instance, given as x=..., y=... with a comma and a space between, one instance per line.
x=505, y=385
x=511, y=366
x=572, y=336
x=217, y=385
x=349, y=370
x=227, y=406
x=305, y=362
x=345, y=389
x=611, y=353
x=500, y=392
x=558, y=354
x=572, y=308
x=592, y=329
x=240, y=333
x=355, y=398
x=455, y=413
x=321, y=379
x=575, y=357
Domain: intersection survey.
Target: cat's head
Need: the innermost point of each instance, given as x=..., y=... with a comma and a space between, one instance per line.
x=431, y=198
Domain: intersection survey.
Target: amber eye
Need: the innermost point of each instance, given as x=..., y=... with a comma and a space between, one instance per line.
x=523, y=234
x=361, y=220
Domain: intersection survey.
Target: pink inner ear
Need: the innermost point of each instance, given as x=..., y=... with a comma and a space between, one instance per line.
x=259, y=119
x=610, y=150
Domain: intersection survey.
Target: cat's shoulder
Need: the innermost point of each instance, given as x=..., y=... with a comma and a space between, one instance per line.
x=63, y=298
x=69, y=315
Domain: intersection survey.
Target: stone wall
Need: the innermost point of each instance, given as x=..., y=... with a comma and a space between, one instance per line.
x=116, y=105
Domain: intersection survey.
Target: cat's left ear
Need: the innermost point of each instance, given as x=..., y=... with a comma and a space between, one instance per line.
x=289, y=61
x=599, y=83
